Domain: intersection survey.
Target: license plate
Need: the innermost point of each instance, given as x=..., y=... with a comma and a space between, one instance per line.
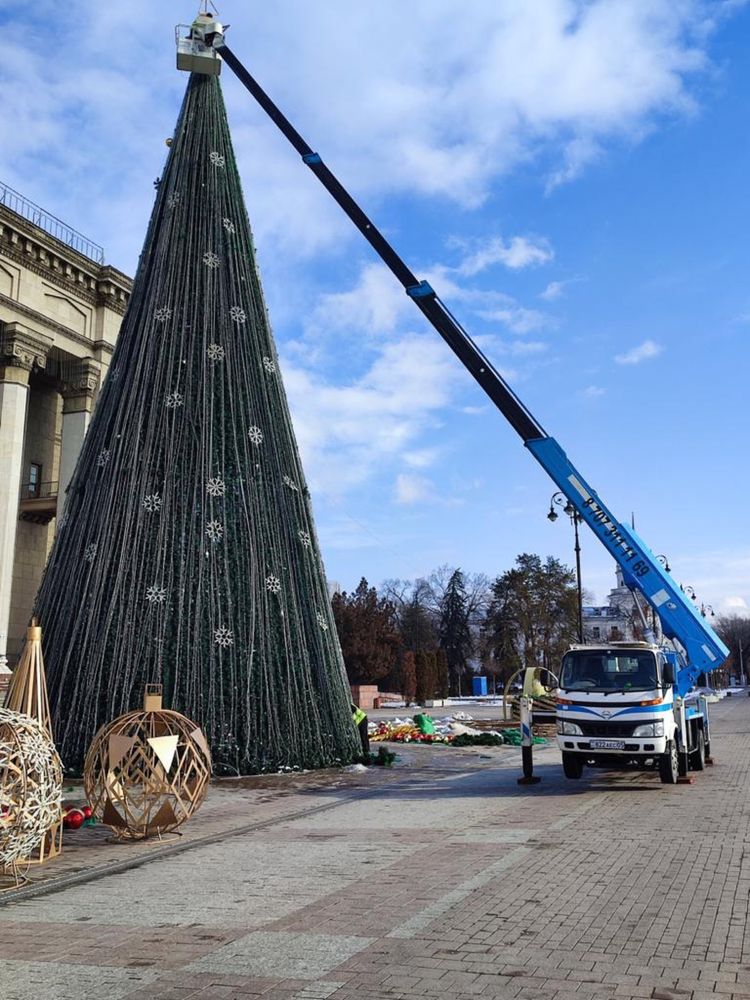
x=607, y=744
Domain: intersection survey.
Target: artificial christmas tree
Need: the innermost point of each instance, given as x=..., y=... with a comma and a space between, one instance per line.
x=187, y=555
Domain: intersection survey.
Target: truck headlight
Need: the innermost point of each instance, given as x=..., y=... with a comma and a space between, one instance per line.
x=649, y=729
x=568, y=728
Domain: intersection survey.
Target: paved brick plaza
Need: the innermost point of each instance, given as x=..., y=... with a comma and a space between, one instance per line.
x=439, y=881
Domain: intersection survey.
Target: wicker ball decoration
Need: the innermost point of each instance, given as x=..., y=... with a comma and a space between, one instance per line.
x=30, y=787
x=147, y=772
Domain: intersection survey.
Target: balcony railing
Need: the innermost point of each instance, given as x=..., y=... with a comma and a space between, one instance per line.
x=39, y=502
x=38, y=491
x=50, y=224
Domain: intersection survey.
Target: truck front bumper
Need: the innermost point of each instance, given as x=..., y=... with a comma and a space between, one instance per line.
x=627, y=747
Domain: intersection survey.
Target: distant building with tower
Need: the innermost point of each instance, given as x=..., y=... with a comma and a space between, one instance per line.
x=60, y=314
x=615, y=621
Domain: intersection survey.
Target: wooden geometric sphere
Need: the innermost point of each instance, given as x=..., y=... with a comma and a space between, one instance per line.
x=147, y=772
x=30, y=787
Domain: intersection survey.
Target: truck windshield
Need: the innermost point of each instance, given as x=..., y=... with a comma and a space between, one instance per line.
x=609, y=670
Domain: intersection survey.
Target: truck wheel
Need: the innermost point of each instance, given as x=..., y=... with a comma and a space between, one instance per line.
x=698, y=756
x=572, y=765
x=669, y=765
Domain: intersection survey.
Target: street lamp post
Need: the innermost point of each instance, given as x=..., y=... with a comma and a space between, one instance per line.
x=742, y=667
x=575, y=518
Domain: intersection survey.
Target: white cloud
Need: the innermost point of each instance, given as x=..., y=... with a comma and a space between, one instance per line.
x=735, y=603
x=376, y=303
x=443, y=112
x=720, y=577
x=577, y=154
x=553, y=291
x=515, y=317
x=351, y=431
x=644, y=352
x=516, y=253
x=593, y=392
x=527, y=347
x=420, y=459
x=411, y=489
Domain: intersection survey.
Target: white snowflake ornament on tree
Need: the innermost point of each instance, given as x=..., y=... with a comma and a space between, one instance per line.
x=216, y=158
x=238, y=314
x=288, y=481
x=173, y=200
x=215, y=352
x=228, y=225
x=173, y=400
x=304, y=537
x=273, y=584
x=269, y=366
x=89, y=553
x=216, y=487
x=103, y=457
x=152, y=503
x=223, y=636
x=163, y=314
x=256, y=435
x=156, y=594
x=215, y=530
x=210, y=259
x=322, y=621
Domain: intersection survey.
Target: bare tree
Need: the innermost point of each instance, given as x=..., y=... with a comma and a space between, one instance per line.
x=735, y=631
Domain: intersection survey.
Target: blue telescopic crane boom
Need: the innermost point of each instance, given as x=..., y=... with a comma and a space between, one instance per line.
x=640, y=568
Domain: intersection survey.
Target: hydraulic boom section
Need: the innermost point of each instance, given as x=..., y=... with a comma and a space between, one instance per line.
x=641, y=570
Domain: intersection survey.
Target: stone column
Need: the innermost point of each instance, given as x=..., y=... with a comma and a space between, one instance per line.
x=20, y=351
x=78, y=393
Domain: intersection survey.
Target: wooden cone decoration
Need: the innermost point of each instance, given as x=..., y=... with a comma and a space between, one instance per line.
x=27, y=694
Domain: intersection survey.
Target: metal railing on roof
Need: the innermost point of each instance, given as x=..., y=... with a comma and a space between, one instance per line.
x=50, y=224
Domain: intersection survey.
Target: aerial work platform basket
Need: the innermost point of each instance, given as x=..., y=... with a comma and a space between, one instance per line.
x=196, y=52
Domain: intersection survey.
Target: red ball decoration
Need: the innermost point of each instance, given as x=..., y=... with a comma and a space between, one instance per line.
x=86, y=812
x=74, y=819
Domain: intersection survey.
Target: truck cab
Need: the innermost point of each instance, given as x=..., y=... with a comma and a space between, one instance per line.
x=617, y=707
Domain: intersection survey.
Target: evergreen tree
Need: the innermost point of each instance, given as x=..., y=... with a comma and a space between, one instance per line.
x=408, y=678
x=532, y=617
x=368, y=633
x=187, y=554
x=442, y=674
x=424, y=663
x=454, y=633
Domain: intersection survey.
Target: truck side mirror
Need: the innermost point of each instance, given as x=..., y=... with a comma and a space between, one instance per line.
x=668, y=673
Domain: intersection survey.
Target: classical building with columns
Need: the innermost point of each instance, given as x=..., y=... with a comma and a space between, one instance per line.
x=60, y=313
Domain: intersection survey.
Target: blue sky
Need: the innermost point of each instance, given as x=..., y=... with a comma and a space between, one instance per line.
x=571, y=177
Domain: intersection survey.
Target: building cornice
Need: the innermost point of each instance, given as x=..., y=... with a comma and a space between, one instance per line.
x=26, y=244
x=23, y=348
x=46, y=323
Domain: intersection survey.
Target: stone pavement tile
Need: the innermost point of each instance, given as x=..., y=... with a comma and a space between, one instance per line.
x=631, y=992
x=321, y=990
x=154, y=991
x=283, y=954
x=216, y=993
x=22, y=980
